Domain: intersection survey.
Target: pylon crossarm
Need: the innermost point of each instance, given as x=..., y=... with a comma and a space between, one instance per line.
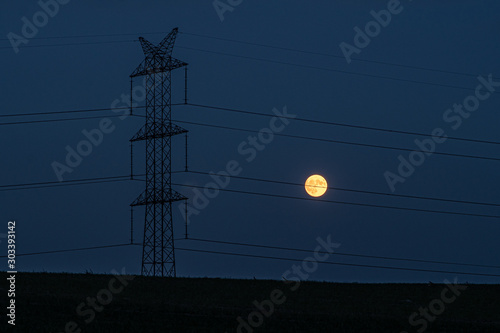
x=146, y=199
x=166, y=64
x=167, y=130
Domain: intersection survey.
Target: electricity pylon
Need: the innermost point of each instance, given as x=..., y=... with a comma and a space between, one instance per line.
x=158, y=251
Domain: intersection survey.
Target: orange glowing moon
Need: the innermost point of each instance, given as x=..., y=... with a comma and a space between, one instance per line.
x=316, y=185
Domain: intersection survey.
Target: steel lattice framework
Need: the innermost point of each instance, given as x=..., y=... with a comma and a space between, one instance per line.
x=158, y=252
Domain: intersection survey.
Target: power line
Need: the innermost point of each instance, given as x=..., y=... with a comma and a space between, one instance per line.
x=64, y=111
x=268, y=60
x=76, y=111
x=63, y=185
x=358, y=191
x=24, y=186
x=254, y=256
x=338, y=263
x=276, y=134
x=13, y=187
x=84, y=181
x=64, y=181
x=57, y=120
x=368, y=145
x=91, y=36
x=253, y=44
x=333, y=55
x=271, y=61
x=376, y=76
x=250, y=113
x=70, y=44
x=338, y=253
x=66, y=119
x=348, y=203
x=338, y=124
x=69, y=250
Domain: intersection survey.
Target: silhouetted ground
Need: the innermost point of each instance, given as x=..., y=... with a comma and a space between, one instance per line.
x=47, y=302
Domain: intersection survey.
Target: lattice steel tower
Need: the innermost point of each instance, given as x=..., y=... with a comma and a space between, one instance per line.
x=158, y=251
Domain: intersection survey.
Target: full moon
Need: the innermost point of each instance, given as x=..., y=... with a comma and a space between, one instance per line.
x=316, y=185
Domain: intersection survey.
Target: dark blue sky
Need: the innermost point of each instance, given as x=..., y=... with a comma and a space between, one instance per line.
x=458, y=36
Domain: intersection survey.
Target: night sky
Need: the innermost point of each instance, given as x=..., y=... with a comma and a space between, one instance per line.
x=452, y=38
